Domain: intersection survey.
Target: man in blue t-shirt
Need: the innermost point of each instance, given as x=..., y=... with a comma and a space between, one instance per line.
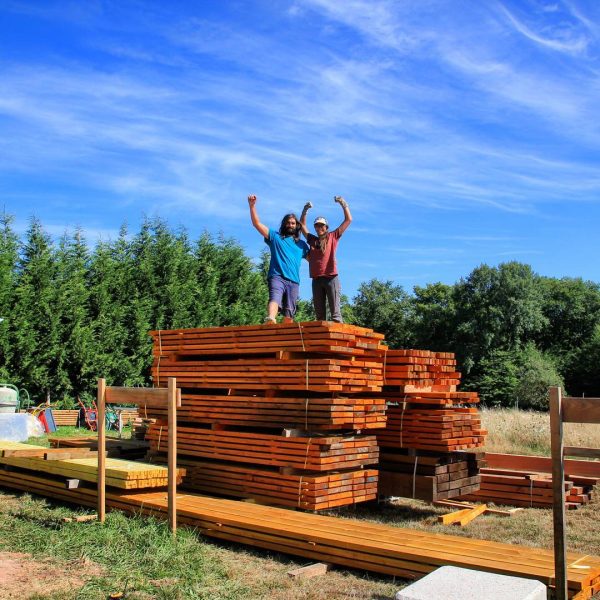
x=287, y=252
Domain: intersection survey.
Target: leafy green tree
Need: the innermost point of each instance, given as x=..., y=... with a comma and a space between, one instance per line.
x=434, y=317
x=572, y=310
x=581, y=368
x=497, y=308
x=386, y=308
x=516, y=378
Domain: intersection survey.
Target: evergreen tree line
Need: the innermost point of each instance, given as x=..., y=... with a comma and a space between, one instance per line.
x=73, y=314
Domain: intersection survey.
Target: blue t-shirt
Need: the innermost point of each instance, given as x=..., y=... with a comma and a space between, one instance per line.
x=286, y=255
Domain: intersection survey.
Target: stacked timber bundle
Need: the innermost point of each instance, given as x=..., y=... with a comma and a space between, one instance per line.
x=438, y=421
x=82, y=465
x=429, y=476
x=286, y=399
x=414, y=370
x=526, y=481
x=429, y=425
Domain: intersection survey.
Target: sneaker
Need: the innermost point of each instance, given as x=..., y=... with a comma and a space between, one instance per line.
x=269, y=321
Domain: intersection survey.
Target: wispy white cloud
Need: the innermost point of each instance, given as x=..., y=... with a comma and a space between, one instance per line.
x=562, y=38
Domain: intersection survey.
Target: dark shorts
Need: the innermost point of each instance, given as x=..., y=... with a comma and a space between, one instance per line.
x=285, y=293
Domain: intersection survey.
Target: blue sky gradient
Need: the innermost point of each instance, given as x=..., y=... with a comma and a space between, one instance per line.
x=460, y=132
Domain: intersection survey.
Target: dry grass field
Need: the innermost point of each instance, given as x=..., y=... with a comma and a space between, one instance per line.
x=513, y=431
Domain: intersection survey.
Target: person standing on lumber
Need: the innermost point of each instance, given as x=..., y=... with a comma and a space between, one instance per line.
x=287, y=252
x=322, y=263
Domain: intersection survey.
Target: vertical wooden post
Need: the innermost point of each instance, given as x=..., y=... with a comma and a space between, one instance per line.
x=100, y=426
x=558, y=487
x=172, y=454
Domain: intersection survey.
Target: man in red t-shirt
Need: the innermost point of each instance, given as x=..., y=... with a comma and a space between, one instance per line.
x=322, y=264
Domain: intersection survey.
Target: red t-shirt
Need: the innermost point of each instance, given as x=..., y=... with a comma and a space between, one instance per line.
x=323, y=264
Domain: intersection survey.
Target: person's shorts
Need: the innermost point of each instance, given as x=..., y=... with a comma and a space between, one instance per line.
x=285, y=293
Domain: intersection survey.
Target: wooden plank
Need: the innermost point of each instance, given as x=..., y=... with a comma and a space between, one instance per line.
x=580, y=410
x=309, y=571
x=470, y=515
x=150, y=397
x=582, y=452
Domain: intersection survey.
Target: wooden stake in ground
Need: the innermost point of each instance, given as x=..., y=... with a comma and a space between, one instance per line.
x=157, y=397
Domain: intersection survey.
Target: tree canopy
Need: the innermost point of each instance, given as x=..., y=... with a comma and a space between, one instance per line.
x=73, y=313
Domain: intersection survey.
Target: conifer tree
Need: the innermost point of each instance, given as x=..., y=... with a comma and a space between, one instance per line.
x=35, y=320
x=76, y=373
x=9, y=253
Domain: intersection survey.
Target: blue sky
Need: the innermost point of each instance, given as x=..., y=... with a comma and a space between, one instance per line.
x=460, y=132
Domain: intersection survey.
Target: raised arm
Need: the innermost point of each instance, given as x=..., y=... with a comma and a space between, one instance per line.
x=347, y=215
x=303, y=218
x=262, y=229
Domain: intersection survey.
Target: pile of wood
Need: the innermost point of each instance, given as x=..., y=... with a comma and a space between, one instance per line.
x=428, y=421
x=429, y=476
x=66, y=464
x=429, y=426
x=309, y=411
x=297, y=452
x=412, y=370
x=264, y=484
x=290, y=398
x=526, y=481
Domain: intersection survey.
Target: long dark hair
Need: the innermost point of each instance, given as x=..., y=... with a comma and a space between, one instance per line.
x=282, y=227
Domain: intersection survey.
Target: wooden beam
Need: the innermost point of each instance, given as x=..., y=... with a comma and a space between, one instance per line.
x=150, y=397
x=174, y=396
x=309, y=571
x=583, y=452
x=580, y=410
x=101, y=450
x=558, y=487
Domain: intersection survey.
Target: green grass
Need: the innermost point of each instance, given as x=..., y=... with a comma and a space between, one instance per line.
x=136, y=552
x=64, y=432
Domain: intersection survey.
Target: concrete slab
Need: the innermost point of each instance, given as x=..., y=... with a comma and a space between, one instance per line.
x=456, y=583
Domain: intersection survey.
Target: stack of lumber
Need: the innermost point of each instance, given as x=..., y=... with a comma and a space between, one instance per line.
x=297, y=452
x=438, y=421
x=284, y=409
x=283, y=397
x=316, y=356
x=64, y=418
x=429, y=425
x=413, y=370
x=271, y=486
x=527, y=481
x=119, y=473
x=429, y=476
x=355, y=544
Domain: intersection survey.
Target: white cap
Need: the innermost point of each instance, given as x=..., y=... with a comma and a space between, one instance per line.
x=322, y=221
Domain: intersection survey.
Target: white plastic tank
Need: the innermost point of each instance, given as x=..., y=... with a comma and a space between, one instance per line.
x=9, y=400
